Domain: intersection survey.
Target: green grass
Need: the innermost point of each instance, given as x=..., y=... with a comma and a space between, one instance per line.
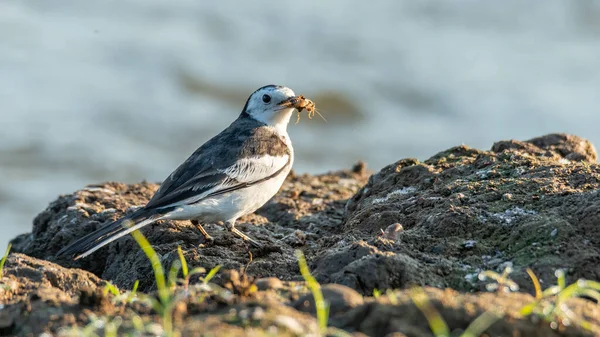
x=438, y=325
x=3, y=261
x=551, y=304
x=322, y=307
x=110, y=288
x=118, y=297
x=481, y=323
x=166, y=305
x=502, y=283
x=138, y=324
x=211, y=274
x=184, y=266
x=167, y=286
x=111, y=328
x=173, y=273
x=181, y=265
x=166, y=290
x=132, y=294
x=159, y=275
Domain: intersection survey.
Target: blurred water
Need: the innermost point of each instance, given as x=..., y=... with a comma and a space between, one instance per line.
x=125, y=90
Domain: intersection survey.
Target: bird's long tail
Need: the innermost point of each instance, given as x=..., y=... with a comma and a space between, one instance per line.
x=109, y=233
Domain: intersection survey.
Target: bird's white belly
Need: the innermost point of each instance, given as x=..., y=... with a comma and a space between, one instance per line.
x=232, y=205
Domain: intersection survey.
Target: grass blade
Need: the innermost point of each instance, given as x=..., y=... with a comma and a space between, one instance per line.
x=109, y=287
x=321, y=305
x=536, y=284
x=528, y=308
x=133, y=291
x=198, y=270
x=436, y=322
x=561, y=280
x=184, y=266
x=481, y=323
x=173, y=272
x=3, y=261
x=211, y=274
x=159, y=274
x=589, y=284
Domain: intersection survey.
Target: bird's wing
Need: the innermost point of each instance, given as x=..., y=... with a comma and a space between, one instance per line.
x=218, y=167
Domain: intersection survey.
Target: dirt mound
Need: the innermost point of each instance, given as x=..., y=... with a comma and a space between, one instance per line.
x=524, y=204
x=531, y=204
x=36, y=293
x=308, y=210
x=42, y=297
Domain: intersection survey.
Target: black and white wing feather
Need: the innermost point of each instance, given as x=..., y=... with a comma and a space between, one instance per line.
x=220, y=180
x=245, y=156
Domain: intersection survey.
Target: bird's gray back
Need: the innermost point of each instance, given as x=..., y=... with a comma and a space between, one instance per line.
x=244, y=138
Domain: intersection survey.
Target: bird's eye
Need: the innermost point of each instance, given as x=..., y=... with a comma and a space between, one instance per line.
x=266, y=98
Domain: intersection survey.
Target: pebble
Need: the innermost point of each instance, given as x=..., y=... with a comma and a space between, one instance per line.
x=469, y=243
x=391, y=232
x=290, y=323
x=339, y=297
x=269, y=283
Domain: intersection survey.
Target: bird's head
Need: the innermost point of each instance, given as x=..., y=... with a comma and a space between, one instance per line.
x=272, y=105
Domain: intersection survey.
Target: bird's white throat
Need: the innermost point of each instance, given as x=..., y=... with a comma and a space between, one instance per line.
x=278, y=120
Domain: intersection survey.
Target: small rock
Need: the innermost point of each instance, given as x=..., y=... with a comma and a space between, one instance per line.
x=438, y=249
x=458, y=196
x=570, y=147
x=339, y=297
x=391, y=232
x=290, y=323
x=258, y=314
x=469, y=244
x=296, y=239
x=93, y=297
x=244, y=314
x=360, y=167
x=494, y=262
x=269, y=283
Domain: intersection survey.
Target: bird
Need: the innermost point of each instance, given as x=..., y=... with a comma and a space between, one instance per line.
x=231, y=175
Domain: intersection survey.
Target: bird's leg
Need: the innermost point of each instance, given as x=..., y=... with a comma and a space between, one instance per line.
x=207, y=237
x=230, y=225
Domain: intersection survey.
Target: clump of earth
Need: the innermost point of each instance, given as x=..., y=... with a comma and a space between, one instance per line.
x=437, y=224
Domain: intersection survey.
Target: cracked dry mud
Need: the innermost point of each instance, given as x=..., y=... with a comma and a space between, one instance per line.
x=525, y=204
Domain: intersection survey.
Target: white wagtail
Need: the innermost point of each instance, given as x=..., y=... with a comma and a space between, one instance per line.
x=231, y=175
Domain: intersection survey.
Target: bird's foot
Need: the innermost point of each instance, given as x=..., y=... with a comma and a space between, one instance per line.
x=207, y=238
x=245, y=237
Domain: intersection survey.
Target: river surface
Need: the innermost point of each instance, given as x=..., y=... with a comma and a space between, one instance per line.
x=92, y=91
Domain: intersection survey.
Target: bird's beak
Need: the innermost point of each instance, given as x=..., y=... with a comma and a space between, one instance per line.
x=300, y=103
x=297, y=102
x=288, y=103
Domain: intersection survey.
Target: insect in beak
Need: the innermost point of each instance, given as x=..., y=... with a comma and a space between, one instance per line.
x=301, y=103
